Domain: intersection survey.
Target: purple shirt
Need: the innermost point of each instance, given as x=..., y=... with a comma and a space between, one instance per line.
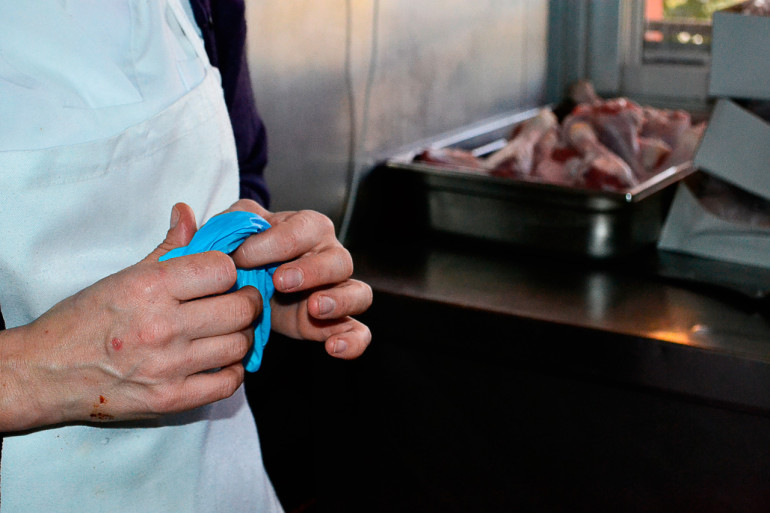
x=223, y=26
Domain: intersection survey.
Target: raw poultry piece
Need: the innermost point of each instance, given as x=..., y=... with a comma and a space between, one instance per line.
x=608, y=144
x=617, y=123
x=450, y=157
x=583, y=92
x=580, y=92
x=685, y=147
x=652, y=153
x=644, y=137
x=660, y=133
x=664, y=124
x=555, y=159
x=517, y=157
x=598, y=167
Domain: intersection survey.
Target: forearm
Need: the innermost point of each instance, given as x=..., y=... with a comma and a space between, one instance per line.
x=23, y=399
x=152, y=339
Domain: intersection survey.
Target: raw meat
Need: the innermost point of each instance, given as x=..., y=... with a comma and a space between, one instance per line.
x=598, y=167
x=518, y=156
x=652, y=153
x=450, y=157
x=617, y=123
x=555, y=159
x=685, y=147
x=583, y=91
x=666, y=125
x=609, y=144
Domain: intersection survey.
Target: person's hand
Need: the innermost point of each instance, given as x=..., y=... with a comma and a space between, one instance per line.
x=133, y=345
x=315, y=295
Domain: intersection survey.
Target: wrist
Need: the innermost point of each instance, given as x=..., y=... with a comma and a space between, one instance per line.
x=24, y=401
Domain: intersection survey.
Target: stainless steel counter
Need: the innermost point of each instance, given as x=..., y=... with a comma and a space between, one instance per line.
x=504, y=380
x=618, y=319
x=522, y=381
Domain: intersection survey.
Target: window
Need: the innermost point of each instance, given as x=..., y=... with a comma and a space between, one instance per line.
x=655, y=51
x=679, y=31
x=667, y=49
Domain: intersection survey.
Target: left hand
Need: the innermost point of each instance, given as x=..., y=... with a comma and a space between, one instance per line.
x=315, y=296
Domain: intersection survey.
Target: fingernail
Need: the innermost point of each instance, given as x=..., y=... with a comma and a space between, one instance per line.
x=340, y=346
x=175, y=215
x=325, y=305
x=291, y=279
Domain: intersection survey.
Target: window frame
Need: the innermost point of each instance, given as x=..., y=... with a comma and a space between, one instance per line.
x=601, y=40
x=686, y=82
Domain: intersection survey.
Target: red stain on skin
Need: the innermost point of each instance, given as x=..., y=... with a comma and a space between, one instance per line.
x=98, y=415
x=116, y=344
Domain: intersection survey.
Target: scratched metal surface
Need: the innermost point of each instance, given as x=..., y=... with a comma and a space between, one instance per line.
x=437, y=65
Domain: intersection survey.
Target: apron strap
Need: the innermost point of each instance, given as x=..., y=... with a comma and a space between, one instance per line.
x=189, y=30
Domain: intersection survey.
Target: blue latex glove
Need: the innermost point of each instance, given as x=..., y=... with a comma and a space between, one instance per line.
x=225, y=233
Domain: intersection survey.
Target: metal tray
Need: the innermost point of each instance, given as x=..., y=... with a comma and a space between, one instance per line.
x=538, y=215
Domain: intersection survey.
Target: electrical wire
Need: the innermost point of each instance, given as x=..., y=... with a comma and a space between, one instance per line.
x=357, y=141
x=350, y=90
x=373, y=51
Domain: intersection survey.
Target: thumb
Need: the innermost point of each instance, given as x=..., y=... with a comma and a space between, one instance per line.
x=182, y=228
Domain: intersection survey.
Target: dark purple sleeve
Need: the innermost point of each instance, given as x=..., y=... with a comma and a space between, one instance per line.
x=223, y=26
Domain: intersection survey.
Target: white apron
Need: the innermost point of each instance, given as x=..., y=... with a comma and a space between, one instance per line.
x=70, y=215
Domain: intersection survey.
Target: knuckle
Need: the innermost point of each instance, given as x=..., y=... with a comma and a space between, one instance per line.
x=223, y=268
x=368, y=293
x=211, y=265
x=317, y=222
x=367, y=334
x=154, y=331
x=231, y=381
x=144, y=285
x=241, y=345
x=345, y=262
x=240, y=308
x=245, y=307
x=322, y=222
x=342, y=303
x=255, y=297
x=360, y=294
x=289, y=244
x=245, y=204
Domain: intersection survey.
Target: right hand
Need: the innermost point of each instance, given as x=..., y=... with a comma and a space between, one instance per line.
x=135, y=344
